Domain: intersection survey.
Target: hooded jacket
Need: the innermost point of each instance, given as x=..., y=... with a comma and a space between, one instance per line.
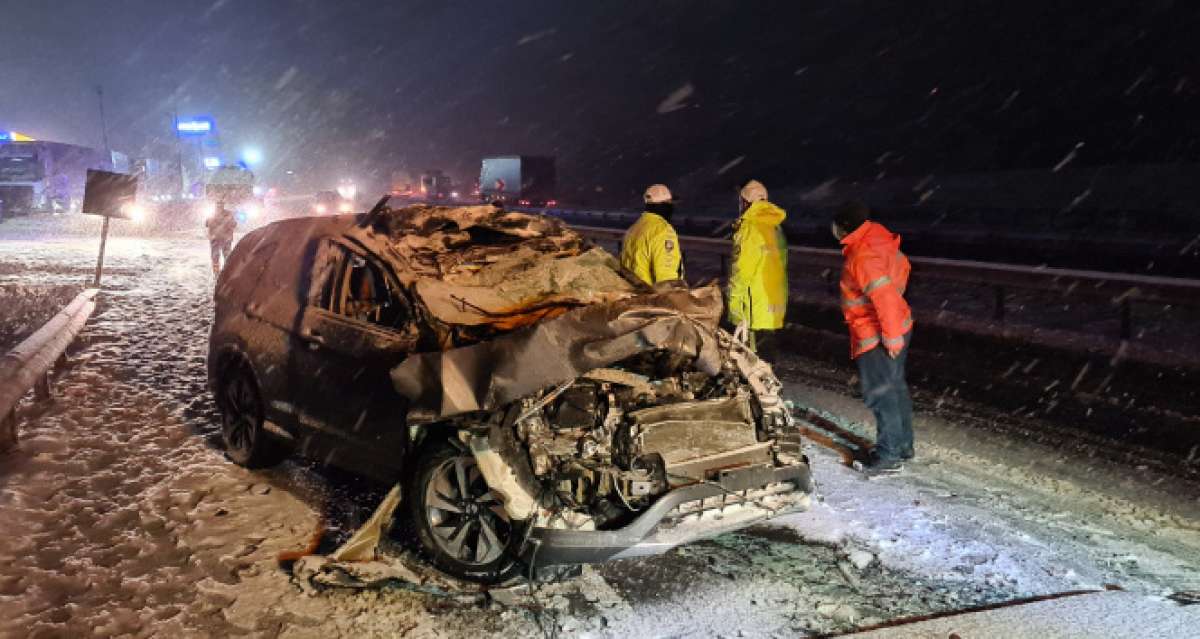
x=650, y=250
x=221, y=225
x=873, y=281
x=758, y=287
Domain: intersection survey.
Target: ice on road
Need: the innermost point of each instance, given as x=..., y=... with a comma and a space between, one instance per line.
x=120, y=516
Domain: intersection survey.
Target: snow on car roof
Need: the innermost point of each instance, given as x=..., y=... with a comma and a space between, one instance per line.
x=482, y=265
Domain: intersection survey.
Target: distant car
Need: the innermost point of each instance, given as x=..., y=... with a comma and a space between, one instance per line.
x=330, y=203
x=540, y=406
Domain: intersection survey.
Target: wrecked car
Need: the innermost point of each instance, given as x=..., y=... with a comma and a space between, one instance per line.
x=539, y=406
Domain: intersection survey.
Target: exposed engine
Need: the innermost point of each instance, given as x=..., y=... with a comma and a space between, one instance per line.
x=603, y=446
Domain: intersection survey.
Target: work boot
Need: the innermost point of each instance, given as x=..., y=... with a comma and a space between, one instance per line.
x=905, y=454
x=878, y=467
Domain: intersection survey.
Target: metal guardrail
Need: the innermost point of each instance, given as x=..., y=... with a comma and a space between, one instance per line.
x=1120, y=289
x=28, y=364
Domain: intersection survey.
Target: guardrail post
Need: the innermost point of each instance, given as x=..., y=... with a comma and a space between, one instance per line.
x=998, y=309
x=42, y=391
x=8, y=430
x=1126, y=319
x=831, y=284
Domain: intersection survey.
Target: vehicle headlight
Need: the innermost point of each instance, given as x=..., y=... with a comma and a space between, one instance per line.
x=251, y=211
x=345, y=207
x=135, y=212
x=208, y=209
x=320, y=208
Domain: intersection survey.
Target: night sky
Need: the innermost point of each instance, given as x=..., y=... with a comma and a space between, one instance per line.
x=701, y=95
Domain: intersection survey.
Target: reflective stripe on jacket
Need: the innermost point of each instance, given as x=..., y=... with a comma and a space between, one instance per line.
x=650, y=250
x=873, y=281
x=758, y=288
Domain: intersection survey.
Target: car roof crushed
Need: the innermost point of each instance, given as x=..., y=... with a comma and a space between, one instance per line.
x=481, y=265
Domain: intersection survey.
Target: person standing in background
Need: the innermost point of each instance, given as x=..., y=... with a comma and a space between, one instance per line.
x=220, y=227
x=758, y=286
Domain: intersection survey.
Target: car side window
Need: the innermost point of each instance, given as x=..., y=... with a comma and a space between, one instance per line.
x=349, y=284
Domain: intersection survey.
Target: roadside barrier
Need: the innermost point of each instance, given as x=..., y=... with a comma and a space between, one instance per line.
x=1121, y=290
x=28, y=365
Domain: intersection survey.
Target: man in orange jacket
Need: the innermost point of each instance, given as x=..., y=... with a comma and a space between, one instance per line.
x=873, y=281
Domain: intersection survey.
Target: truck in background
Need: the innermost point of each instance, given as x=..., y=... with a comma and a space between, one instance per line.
x=39, y=176
x=436, y=185
x=402, y=185
x=523, y=180
x=158, y=181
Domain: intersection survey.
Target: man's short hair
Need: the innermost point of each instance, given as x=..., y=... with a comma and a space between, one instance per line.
x=851, y=215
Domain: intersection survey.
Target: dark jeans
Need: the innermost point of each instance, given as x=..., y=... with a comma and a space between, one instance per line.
x=220, y=248
x=765, y=344
x=885, y=392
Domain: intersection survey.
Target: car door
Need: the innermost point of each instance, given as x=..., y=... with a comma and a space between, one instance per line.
x=357, y=325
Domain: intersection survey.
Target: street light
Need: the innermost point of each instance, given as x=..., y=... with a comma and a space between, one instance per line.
x=252, y=156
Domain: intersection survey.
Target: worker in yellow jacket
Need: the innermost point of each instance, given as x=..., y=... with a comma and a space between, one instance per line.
x=758, y=287
x=650, y=248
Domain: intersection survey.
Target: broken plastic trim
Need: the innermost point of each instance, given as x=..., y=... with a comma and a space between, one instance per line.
x=500, y=460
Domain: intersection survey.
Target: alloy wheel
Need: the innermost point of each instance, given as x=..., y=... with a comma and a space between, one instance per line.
x=467, y=520
x=241, y=417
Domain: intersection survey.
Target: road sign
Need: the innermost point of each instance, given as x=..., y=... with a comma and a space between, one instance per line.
x=109, y=194
x=195, y=126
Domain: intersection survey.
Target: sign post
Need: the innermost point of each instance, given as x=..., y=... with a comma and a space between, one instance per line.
x=100, y=260
x=109, y=195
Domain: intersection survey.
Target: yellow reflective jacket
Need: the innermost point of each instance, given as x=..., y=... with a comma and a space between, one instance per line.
x=758, y=288
x=650, y=250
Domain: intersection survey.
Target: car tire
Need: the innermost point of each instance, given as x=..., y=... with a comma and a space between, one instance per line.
x=458, y=522
x=240, y=401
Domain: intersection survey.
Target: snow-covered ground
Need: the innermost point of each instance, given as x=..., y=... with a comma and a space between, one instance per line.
x=120, y=516
x=27, y=307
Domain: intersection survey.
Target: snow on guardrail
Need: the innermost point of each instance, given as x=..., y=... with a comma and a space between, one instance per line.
x=29, y=363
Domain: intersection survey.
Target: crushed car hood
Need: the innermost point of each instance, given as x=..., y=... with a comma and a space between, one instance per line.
x=490, y=374
x=480, y=265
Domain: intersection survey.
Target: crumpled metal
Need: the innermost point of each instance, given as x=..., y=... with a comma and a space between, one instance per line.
x=488, y=375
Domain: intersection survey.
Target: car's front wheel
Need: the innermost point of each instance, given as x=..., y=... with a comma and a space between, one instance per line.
x=246, y=443
x=459, y=523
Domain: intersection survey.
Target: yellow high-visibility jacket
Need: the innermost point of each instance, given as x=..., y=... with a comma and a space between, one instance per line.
x=758, y=288
x=650, y=250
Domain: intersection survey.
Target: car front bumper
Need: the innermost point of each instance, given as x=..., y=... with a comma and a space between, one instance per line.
x=686, y=514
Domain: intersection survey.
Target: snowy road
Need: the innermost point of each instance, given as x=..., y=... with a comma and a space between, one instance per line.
x=119, y=514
